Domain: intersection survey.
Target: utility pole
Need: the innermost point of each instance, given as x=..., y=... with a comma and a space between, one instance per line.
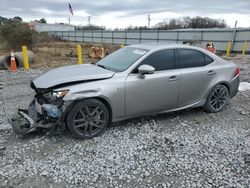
x=149, y=19
x=69, y=19
x=233, y=35
x=235, y=25
x=89, y=17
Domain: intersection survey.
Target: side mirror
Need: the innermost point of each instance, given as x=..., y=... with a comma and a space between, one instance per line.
x=146, y=69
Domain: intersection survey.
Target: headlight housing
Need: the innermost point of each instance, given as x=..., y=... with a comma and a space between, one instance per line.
x=52, y=97
x=59, y=94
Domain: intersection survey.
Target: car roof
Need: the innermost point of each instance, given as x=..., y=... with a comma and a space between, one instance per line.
x=158, y=46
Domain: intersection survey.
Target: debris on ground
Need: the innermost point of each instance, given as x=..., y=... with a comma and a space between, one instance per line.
x=5, y=60
x=96, y=52
x=2, y=149
x=244, y=86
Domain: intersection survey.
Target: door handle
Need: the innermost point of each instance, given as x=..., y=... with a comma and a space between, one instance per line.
x=173, y=78
x=211, y=72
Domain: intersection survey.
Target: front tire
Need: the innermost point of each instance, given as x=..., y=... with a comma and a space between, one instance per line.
x=87, y=119
x=217, y=99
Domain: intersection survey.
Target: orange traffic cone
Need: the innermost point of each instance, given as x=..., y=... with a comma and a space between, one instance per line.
x=13, y=66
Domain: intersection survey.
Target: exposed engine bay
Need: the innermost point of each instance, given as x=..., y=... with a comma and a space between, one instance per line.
x=44, y=111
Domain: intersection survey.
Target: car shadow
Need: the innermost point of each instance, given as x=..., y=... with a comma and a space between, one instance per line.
x=181, y=115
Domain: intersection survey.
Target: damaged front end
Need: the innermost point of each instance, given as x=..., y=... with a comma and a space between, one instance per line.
x=45, y=111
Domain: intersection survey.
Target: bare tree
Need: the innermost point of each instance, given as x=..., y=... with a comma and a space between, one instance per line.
x=188, y=22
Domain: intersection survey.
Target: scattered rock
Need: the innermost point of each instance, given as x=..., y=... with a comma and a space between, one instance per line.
x=45, y=173
x=141, y=152
x=147, y=174
x=95, y=178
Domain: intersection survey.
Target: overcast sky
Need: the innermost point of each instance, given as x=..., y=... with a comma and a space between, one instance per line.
x=120, y=14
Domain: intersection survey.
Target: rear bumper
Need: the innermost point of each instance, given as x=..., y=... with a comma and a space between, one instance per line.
x=234, y=86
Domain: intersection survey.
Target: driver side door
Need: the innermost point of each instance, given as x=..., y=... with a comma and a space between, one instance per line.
x=155, y=92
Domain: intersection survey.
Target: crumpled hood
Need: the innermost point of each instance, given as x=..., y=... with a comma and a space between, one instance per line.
x=70, y=74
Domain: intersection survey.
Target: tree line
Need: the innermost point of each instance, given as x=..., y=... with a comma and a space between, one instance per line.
x=166, y=24
x=188, y=22
x=184, y=23
x=169, y=24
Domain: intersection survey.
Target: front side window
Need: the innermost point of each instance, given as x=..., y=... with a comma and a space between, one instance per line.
x=161, y=60
x=188, y=58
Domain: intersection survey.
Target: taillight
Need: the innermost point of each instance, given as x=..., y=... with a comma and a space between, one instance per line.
x=237, y=72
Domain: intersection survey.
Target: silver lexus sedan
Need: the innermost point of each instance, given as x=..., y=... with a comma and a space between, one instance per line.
x=133, y=81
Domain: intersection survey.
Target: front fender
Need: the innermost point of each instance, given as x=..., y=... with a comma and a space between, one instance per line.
x=73, y=98
x=82, y=95
x=111, y=91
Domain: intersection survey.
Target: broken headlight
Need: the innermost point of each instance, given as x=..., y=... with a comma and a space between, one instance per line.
x=54, y=97
x=59, y=94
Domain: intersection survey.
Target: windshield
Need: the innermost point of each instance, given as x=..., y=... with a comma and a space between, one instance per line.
x=121, y=59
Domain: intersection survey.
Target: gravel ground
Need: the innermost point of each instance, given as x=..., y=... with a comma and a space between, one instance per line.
x=189, y=148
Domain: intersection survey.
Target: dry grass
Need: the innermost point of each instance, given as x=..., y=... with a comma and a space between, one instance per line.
x=55, y=54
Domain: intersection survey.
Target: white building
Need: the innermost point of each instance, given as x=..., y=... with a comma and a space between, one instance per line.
x=42, y=27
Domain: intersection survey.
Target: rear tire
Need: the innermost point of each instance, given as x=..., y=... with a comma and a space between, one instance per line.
x=87, y=119
x=217, y=99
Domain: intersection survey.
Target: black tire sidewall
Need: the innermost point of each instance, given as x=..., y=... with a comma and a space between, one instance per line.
x=207, y=105
x=80, y=105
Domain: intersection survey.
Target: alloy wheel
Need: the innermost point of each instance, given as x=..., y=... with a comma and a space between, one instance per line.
x=219, y=98
x=89, y=120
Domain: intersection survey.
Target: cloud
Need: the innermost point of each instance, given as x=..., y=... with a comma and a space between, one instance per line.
x=117, y=11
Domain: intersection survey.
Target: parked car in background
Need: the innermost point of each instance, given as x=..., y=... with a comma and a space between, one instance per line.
x=134, y=81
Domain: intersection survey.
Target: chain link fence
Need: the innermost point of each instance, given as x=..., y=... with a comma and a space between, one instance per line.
x=197, y=37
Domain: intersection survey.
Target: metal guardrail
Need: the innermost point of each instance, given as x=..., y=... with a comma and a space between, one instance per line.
x=197, y=37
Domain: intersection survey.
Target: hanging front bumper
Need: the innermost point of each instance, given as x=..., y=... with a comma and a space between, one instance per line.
x=26, y=120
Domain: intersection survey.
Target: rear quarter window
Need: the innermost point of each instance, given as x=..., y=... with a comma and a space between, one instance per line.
x=188, y=58
x=208, y=59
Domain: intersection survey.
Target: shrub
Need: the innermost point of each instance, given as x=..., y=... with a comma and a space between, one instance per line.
x=17, y=34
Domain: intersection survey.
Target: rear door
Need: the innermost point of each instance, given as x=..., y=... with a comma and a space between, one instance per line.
x=153, y=92
x=197, y=76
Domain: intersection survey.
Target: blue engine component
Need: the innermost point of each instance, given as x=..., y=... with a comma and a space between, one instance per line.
x=51, y=110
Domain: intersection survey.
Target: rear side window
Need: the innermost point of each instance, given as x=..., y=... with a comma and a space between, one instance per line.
x=208, y=59
x=161, y=60
x=188, y=58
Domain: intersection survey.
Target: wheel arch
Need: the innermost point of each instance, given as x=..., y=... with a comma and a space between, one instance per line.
x=107, y=104
x=227, y=84
x=104, y=101
x=208, y=106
